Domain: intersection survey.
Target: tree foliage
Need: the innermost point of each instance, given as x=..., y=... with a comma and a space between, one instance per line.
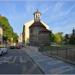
x=66, y=39
x=51, y=37
x=15, y=37
x=72, y=40
x=58, y=38
x=7, y=29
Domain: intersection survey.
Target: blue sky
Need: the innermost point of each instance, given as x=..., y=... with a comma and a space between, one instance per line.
x=58, y=14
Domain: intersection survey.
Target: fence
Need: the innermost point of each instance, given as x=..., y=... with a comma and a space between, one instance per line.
x=66, y=53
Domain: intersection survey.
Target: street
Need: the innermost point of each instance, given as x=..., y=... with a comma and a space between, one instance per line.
x=16, y=61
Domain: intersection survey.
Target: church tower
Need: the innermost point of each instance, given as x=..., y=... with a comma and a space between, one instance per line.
x=36, y=32
x=37, y=15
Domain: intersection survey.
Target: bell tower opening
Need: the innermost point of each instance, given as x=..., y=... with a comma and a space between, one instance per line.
x=37, y=15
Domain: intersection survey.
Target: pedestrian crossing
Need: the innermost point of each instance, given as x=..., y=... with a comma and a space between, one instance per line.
x=13, y=59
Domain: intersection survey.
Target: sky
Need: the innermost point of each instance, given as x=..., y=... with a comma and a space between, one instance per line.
x=59, y=15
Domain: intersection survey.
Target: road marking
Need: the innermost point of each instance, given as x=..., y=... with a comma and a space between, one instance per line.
x=55, y=62
x=61, y=69
x=68, y=69
x=22, y=60
x=14, y=59
x=5, y=59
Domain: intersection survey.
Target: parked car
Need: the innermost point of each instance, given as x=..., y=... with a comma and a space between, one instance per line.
x=18, y=46
x=3, y=50
x=12, y=47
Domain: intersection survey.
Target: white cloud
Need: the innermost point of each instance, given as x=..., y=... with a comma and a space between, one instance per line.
x=58, y=13
x=58, y=7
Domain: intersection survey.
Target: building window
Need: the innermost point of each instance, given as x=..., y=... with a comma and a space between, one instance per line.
x=31, y=30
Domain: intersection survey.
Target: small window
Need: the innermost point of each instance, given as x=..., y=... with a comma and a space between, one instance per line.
x=31, y=30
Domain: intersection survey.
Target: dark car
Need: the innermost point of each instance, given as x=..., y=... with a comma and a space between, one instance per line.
x=12, y=47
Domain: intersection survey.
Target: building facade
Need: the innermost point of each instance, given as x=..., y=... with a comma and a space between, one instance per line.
x=20, y=38
x=1, y=35
x=36, y=32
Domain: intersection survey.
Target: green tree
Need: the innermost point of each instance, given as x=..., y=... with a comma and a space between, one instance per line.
x=72, y=40
x=51, y=37
x=58, y=38
x=7, y=29
x=8, y=32
x=66, y=39
x=15, y=37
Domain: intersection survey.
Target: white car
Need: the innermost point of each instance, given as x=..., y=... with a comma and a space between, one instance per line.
x=3, y=50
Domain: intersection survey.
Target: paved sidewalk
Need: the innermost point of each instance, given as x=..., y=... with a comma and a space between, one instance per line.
x=49, y=65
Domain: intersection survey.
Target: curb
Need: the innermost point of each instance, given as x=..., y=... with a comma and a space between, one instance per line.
x=36, y=63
